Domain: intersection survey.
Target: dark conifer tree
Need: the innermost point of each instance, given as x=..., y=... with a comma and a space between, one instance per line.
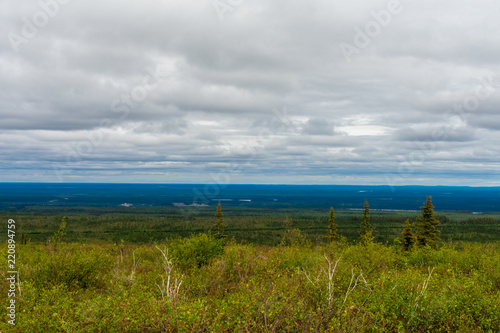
x=365, y=232
x=427, y=234
x=332, y=227
x=409, y=238
x=219, y=225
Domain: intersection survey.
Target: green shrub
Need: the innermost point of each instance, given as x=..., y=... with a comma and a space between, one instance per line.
x=73, y=268
x=293, y=237
x=248, y=288
x=196, y=250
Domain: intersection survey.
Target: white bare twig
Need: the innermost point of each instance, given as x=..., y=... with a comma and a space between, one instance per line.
x=329, y=273
x=349, y=289
x=19, y=281
x=421, y=292
x=358, y=281
x=331, y=283
x=131, y=278
x=167, y=289
x=128, y=279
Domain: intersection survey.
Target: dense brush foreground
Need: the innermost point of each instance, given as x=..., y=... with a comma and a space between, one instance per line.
x=197, y=284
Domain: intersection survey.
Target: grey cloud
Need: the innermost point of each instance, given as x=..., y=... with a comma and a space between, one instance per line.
x=175, y=126
x=431, y=132
x=318, y=126
x=267, y=88
x=488, y=121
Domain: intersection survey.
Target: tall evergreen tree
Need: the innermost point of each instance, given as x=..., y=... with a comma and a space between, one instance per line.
x=426, y=225
x=365, y=232
x=409, y=238
x=219, y=225
x=332, y=227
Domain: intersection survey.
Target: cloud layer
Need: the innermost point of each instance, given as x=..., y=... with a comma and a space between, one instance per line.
x=365, y=92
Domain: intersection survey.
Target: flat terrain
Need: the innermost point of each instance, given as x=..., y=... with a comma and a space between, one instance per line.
x=248, y=225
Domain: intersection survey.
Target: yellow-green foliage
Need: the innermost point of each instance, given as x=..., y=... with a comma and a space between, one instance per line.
x=292, y=236
x=196, y=250
x=332, y=288
x=60, y=233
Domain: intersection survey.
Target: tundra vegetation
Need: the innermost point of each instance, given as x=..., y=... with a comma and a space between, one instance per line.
x=327, y=279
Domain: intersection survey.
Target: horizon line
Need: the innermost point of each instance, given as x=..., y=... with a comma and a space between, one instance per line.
x=256, y=184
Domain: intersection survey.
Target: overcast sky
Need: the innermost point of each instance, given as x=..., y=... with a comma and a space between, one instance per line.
x=250, y=91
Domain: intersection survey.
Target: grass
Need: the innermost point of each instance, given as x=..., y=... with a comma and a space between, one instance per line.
x=336, y=287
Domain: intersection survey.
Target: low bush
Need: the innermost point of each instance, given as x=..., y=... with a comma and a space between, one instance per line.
x=196, y=250
x=330, y=288
x=72, y=265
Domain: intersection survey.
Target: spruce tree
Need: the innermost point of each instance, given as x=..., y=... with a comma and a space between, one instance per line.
x=219, y=225
x=365, y=232
x=427, y=234
x=409, y=238
x=332, y=227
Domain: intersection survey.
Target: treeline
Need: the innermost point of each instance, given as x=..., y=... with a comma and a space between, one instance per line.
x=425, y=226
x=247, y=225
